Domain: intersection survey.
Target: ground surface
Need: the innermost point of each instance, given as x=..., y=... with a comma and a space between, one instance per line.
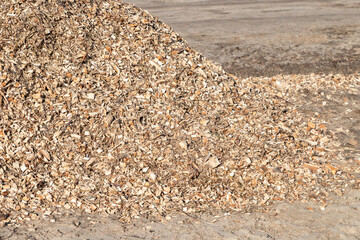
x=253, y=38
x=281, y=221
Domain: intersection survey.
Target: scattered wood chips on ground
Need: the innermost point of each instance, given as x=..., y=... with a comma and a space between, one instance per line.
x=106, y=109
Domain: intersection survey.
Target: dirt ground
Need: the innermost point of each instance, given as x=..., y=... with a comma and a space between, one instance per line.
x=339, y=220
x=253, y=38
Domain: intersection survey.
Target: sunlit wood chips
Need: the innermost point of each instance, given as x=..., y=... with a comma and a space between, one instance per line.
x=106, y=109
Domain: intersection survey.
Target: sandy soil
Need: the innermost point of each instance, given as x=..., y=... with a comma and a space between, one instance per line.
x=252, y=38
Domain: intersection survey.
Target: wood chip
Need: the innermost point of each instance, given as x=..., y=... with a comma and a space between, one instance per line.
x=98, y=91
x=214, y=162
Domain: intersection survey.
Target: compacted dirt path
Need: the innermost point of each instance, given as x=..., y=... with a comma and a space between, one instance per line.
x=254, y=38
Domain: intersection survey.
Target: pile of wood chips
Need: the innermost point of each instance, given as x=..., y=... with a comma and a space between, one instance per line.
x=106, y=109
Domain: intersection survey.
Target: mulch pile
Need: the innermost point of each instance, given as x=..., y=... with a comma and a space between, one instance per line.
x=106, y=109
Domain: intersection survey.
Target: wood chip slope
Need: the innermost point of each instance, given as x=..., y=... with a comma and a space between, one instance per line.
x=106, y=109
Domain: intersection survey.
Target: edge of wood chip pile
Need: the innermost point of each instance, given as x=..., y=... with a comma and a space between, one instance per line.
x=106, y=109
